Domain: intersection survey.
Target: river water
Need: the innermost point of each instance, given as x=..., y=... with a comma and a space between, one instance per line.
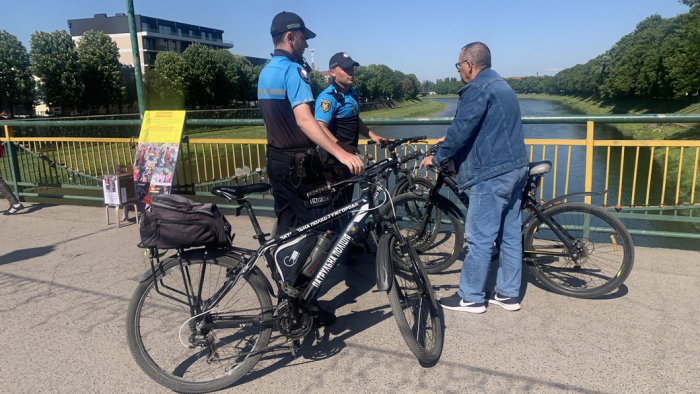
x=531, y=107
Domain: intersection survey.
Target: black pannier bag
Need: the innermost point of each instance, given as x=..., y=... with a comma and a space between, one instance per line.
x=175, y=222
x=291, y=255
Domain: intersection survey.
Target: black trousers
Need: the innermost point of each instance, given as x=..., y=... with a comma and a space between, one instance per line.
x=292, y=207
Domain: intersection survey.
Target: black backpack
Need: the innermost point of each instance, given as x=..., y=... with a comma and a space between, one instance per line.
x=175, y=222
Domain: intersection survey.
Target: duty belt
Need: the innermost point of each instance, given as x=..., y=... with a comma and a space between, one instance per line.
x=284, y=155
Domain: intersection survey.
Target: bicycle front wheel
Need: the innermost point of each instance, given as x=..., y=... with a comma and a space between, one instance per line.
x=437, y=235
x=190, y=350
x=604, y=251
x=412, y=301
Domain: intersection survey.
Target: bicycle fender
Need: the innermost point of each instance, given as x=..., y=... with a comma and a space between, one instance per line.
x=385, y=271
x=446, y=205
x=570, y=195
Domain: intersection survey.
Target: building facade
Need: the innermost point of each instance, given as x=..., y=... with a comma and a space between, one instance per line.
x=153, y=35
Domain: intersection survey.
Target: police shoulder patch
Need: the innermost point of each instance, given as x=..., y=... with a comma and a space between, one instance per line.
x=304, y=75
x=325, y=105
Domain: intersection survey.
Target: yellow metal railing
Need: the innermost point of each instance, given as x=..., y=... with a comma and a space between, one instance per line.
x=668, y=177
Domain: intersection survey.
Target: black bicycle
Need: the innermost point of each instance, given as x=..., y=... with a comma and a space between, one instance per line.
x=202, y=318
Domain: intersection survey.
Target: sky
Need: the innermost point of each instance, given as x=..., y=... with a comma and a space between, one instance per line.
x=421, y=37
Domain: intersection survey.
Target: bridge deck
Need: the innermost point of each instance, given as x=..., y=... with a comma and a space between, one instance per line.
x=66, y=278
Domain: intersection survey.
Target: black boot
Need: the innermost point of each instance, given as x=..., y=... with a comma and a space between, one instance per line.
x=322, y=318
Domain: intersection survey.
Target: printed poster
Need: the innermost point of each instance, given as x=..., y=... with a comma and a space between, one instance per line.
x=156, y=156
x=110, y=187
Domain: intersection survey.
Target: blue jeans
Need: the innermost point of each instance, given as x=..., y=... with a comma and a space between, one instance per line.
x=494, y=215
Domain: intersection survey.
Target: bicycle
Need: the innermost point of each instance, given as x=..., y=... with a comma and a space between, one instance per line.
x=200, y=319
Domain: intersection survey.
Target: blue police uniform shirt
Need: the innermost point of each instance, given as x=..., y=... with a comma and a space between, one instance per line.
x=340, y=112
x=284, y=84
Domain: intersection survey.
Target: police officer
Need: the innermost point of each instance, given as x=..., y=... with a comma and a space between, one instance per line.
x=338, y=113
x=285, y=99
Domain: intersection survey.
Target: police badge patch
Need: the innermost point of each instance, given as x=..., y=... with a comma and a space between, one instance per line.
x=304, y=75
x=325, y=105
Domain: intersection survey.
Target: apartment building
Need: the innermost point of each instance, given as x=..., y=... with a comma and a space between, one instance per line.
x=153, y=35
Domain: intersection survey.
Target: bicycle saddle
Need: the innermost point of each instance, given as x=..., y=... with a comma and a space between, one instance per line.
x=540, y=167
x=240, y=191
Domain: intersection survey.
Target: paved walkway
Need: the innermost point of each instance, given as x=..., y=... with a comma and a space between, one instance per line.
x=66, y=278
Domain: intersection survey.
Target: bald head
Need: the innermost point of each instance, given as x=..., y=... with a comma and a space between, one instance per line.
x=477, y=53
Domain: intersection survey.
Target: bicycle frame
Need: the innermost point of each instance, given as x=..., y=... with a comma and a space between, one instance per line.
x=536, y=209
x=361, y=207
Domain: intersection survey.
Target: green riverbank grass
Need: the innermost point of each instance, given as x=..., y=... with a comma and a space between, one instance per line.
x=400, y=109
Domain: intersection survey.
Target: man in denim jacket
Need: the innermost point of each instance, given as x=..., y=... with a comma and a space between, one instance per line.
x=487, y=144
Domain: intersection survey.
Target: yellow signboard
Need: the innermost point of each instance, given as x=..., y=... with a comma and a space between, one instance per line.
x=162, y=126
x=156, y=156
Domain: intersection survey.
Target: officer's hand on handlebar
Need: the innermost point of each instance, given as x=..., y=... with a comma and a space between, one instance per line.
x=426, y=162
x=381, y=141
x=352, y=162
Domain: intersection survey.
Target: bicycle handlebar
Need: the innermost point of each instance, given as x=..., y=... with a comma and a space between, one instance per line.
x=393, y=144
x=369, y=173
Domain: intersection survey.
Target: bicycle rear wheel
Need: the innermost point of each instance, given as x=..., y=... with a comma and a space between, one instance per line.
x=185, y=349
x=412, y=301
x=437, y=235
x=605, y=251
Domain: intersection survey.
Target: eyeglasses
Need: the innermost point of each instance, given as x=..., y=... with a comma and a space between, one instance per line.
x=458, y=65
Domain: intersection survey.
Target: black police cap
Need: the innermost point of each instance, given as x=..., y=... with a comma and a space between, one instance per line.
x=285, y=21
x=342, y=60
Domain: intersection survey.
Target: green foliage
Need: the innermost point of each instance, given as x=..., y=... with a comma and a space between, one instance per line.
x=98, y=55
x=682, y=63
x=318, y=82
x=54, y=60
x=161, y=93
x=127, y=77
x=202, y=77
x=16, y=82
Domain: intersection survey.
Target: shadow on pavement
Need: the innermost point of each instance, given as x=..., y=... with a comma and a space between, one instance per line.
x=25, y=254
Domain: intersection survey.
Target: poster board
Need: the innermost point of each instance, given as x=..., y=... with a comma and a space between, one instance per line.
x=156, y=155
x=115, y=189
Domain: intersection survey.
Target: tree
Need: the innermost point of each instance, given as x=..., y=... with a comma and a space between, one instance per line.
x=127, y=76
x=199, y=73
x=160, y=92
x=16, y=82
x=318, y=82
x=682, y=62
x=54, y=61
x=99, y=69
x=235, y=75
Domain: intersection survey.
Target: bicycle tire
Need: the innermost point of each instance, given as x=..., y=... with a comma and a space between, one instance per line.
x=412, y=301
x=421, y=186
x=438, y=238
x=157, y=325
x=604, y=267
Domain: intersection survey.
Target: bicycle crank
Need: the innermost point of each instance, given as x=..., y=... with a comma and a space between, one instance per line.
x=294, y=324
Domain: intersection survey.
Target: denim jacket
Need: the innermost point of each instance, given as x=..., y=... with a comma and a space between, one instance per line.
x=486, y=136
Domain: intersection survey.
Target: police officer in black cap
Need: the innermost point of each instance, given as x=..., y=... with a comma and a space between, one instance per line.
x=286, y=101
x=338, y=113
